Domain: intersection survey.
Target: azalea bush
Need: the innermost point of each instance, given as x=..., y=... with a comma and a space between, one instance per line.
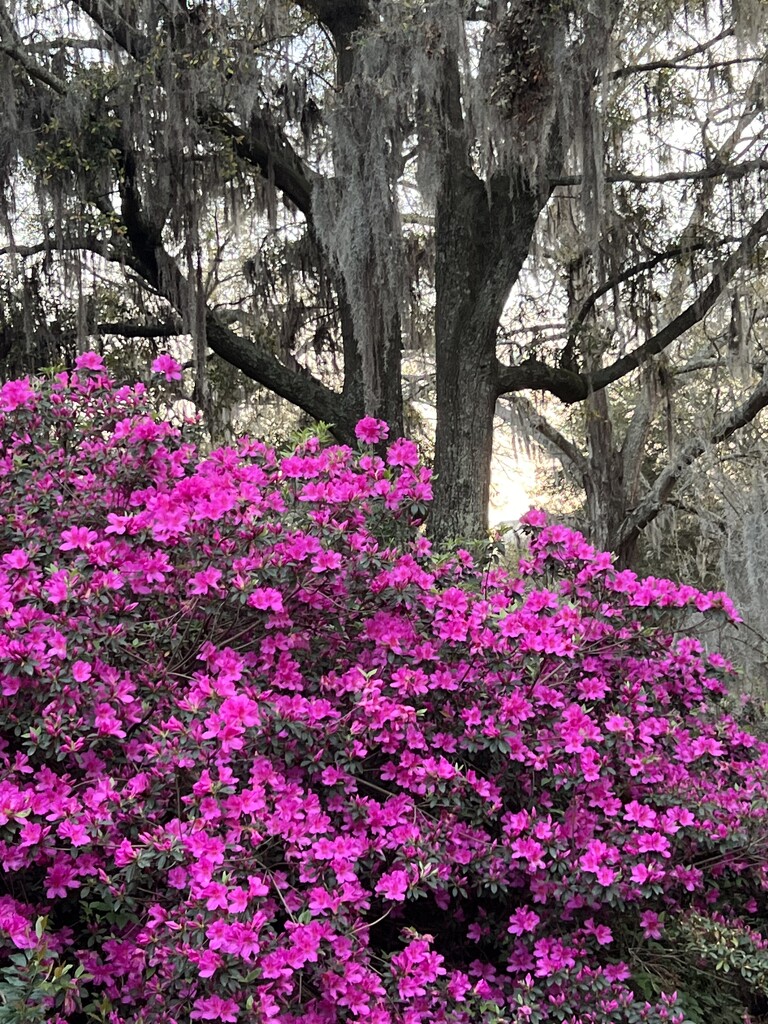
x=265, y=758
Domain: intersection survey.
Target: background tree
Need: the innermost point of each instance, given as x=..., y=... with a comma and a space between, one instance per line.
x=307, y=189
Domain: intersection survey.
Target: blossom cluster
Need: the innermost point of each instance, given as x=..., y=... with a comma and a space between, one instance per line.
x=264, y=757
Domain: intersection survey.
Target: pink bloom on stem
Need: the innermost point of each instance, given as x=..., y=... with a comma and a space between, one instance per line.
x=601, y=932
x=651, y=925
x=266, y=599
x=214, y=1008
x=168, y=366
x=125, y=853
x=89, y=361
x=57, y=589
x=403, y=452
x=605, y=875
x=523, y=920
x=205, y=580
x=370, y=430
x=76, y=833
x=117, y=523
x=77, y=538
x=16, y=394
x=16, y=559
x=326, y=560
x=393, y=885
x=60, y=877
x=534, y=517
x=81, y=671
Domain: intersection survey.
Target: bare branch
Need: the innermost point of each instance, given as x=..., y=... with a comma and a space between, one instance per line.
x=673, y=62
x=251, y=355
x=48, y=245
x=166, y=329
x=651, y=505
x=567, y=356
x=714, y=170
x=695, y=312
x=673, y=65
x=569, y=386
x=12, y=46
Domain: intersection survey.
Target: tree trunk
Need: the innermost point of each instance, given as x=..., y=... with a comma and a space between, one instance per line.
x=604, y=480
x=482, y=241
x=466, y=399
x=483, y=232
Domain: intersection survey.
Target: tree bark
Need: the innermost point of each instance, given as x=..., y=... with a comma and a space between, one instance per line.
x=603, y=480
x=482, y=236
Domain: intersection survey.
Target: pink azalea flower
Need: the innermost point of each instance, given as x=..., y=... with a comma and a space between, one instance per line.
x=370, y=430
x=17, y=394
x=77, y=538
x=81, y=671
x=651, y=924
x=403, y=452
x=215, y=1008
x=523, y=920
x=90, y=361
x=168, y=366
x=393, y=885
x=16, y=559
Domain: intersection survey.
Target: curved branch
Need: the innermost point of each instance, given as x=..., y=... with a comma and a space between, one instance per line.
x=567, y=356
x=264, y=146
x=569, y=386
x=715, y=170
x=12, y=46
x=116, y=28
x=651, y=505
x=695, y=312
x=89, y=243
x=674, y=62
x=535, y=375
x=255, y=360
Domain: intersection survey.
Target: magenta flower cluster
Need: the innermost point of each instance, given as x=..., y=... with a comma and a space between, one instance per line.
x=265, y=758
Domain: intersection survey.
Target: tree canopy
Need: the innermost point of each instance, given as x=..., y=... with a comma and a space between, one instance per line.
x=547, y=196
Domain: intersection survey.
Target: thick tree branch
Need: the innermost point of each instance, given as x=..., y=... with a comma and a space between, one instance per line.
x=695, y=312
x=651, y=505
x=254, y=359
x=12, y=46
x=296, y=386
x=88, y=243
x=116, y=28
x=32, y=69
x=166, y=329
x=672, y=65
x=340, y=17
x=567, y=357
x=535, y=375
x=569, y=386
x=264, y=146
